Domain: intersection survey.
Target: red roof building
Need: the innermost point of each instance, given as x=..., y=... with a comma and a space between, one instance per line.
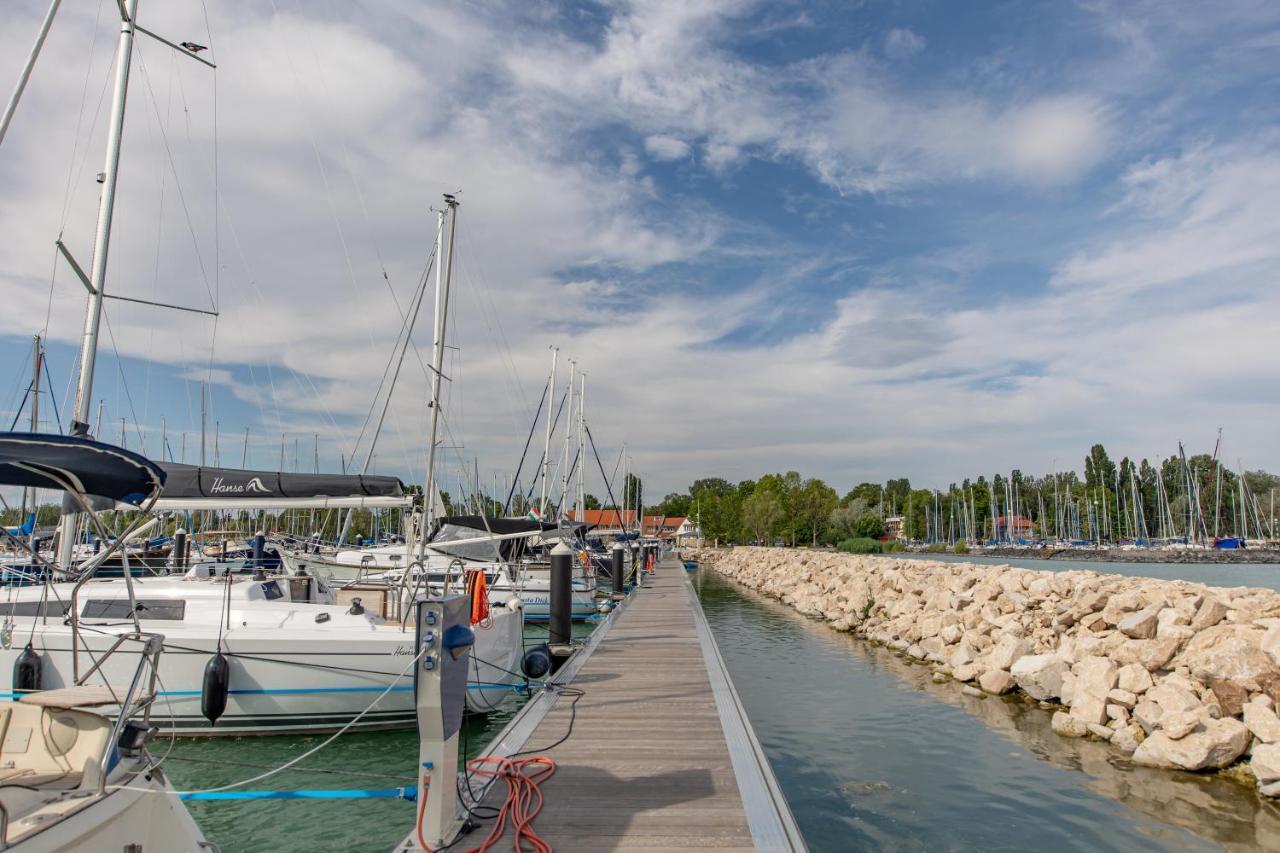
x=607, y=519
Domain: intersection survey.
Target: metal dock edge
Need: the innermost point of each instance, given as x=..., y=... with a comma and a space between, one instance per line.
x=773, y=827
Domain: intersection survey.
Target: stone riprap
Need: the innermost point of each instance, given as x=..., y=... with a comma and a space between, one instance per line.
x=1173, y=673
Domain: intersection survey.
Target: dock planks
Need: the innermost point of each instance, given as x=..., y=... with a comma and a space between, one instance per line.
x=659, y=744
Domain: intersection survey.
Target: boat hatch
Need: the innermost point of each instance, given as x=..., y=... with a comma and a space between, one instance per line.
x=56, y=609
x=156, y=609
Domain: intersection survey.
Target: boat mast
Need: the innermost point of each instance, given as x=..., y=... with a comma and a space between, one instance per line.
x=444, y=264
x=546, y=442
x=101, y=243
x=27, y=68
x=582, y=447
x=568, y=431
x=36, y=359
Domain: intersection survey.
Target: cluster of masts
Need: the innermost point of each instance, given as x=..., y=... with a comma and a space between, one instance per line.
x=1112, y=515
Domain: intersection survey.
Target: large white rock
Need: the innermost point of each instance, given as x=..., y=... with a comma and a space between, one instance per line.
x=1135, y=678
x=1040, y=676
x=1088, y=708
x=1179, y=724
x=1262, y=721
x=1141, y=625
x=996, y=681
x=1123, y=698
x=1068, y=690
x=1008, y=650
x=1128, y=737
x=1095, y=675
x=1172, y=698
x=1217, y=745
x=1265, y=763
x=1229, y=653
x=1147, y=714
x=1065, y=725
x=1211, y=612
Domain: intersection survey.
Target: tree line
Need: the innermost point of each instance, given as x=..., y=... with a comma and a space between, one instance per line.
x=1178, y=497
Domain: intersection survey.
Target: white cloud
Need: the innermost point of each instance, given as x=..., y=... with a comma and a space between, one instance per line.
x=662, y=147
x=900, y=43
x=335, y=142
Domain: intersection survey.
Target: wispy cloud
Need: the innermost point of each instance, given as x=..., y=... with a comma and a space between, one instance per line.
x=817, y=241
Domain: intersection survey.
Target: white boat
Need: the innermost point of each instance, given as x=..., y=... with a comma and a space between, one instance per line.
x=72, y=779
x=497, y=546
x=295, y=666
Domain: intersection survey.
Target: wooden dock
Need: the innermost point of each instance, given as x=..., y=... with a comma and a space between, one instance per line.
x=661, y=755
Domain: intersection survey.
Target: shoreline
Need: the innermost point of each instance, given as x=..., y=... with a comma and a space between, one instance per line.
x=1176, y=556
x=1185, y=556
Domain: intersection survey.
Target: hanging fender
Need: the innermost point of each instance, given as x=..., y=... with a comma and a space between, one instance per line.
x=216, y=687
x=26, y=670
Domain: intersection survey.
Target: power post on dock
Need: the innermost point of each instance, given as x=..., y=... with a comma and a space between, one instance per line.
x=651, y=745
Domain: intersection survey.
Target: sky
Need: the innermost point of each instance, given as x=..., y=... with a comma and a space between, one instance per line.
x=857, y=240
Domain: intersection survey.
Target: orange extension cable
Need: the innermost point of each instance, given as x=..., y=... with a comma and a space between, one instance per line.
x=523, y=802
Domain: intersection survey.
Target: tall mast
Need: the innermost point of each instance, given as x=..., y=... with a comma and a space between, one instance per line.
x=582, y=448
x=444, y=267
x=36, y=357
x=26, y=69
x=101, y=243
x=204, y=423
x=546, y=442
x=568, y=431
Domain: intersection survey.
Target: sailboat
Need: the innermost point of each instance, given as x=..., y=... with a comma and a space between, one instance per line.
x=288, y=660
x=74, y=761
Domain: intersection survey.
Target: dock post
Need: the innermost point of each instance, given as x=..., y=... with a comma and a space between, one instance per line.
x=616, y=566
x=561, y=626
x=180, y=549
x=259, y=545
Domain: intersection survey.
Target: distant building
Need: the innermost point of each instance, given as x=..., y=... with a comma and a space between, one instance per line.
x=1013, y=527
x=893, y=528
x=676, y=529
x=607, y=522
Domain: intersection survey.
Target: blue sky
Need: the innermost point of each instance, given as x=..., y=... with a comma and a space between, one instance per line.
x=857, y=240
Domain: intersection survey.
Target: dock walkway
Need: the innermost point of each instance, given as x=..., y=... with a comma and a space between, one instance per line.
x=661, y=754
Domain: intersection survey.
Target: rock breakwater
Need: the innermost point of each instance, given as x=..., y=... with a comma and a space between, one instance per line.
x=1172, y=673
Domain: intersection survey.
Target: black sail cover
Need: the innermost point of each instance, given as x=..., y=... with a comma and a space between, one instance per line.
x=90, y=467
x=195, y=481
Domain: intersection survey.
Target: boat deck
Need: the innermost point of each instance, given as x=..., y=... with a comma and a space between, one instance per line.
x=661, y=755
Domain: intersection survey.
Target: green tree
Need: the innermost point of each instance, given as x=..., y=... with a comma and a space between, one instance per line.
x=675, y=505
x=761, y=514
x=816, y=501
x=1099, y=470
x=719, y=504
x=872, y=493
x=869, y=526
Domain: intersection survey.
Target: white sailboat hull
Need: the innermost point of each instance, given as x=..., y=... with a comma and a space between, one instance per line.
x=152, y=818
x=294, y=667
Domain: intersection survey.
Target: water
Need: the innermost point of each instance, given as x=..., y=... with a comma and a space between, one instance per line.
x=1265, y=575
x=872, y=755
x=374, y=760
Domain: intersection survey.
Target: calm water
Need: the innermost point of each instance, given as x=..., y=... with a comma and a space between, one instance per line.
x=873, y=755
x=1266, y=575
x=371, y=761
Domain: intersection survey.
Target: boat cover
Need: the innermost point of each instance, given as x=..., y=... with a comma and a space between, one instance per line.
x=46, y=461
x=455, y=535
x=199, y=487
